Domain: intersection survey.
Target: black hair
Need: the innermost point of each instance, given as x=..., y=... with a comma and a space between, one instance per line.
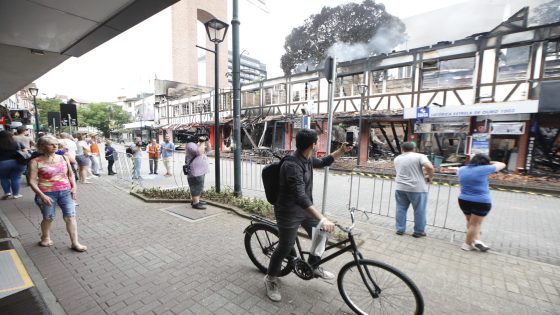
x=480, y=159
x=7, y=141
x=305, y=138
x=408, y=146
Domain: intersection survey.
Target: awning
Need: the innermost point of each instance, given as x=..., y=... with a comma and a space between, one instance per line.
x=139, y=124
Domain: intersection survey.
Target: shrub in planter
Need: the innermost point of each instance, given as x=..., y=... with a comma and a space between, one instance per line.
x=158, y=193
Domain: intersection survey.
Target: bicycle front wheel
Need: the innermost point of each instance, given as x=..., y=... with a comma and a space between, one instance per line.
x=260, y=242
x=393, y=291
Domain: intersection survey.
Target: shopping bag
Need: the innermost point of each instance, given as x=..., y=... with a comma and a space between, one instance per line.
x=318, y=239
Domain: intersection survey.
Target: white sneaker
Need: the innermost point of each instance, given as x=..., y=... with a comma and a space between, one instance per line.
x=467, y=247
x=6, y=196
x=272, y=288
x=322, y=273
x=481, y=246
x=17, y=196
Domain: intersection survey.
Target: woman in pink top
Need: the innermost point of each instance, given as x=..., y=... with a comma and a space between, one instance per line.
x=52, y=180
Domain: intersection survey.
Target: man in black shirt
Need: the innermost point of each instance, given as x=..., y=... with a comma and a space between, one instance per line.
x=294, y=206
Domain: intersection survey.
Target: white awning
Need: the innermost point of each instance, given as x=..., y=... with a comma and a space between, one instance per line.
x=139, y=124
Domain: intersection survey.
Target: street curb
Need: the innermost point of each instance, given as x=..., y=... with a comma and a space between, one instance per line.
x=44, y=291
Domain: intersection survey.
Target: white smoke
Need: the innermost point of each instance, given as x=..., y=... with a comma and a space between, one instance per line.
x=384, y=40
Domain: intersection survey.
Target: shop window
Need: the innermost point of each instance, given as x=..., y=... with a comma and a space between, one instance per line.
x=552, y=60
x=444, y=74
x=348, y=85
x=394, y=80
x=513, y=63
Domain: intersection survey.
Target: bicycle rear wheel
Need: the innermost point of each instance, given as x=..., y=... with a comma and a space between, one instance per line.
x=260, y=242
x=396, y=293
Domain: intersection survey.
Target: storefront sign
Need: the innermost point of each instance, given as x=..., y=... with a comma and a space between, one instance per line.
x=306, y=122
x=480, y=143
x=517, y=107
x=513, y=128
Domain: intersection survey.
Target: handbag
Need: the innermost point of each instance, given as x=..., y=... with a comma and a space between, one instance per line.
x=23, y=157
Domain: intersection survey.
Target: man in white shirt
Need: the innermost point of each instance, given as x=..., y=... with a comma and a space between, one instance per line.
x=412, y=188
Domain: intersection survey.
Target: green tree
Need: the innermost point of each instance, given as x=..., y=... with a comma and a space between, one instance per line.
x=44, y=107
x=367, y=23
x=104, y=116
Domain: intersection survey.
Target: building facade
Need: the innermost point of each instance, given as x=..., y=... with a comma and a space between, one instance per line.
x=485, y=93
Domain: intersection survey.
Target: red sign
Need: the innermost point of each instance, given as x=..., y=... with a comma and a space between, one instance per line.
x=3, y=120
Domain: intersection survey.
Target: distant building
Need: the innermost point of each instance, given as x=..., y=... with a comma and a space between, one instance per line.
x=251, y=69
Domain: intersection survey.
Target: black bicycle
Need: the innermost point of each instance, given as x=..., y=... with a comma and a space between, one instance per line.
x=367, y=286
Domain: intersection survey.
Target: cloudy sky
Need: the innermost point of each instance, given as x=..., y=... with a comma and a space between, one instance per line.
x=127, y=64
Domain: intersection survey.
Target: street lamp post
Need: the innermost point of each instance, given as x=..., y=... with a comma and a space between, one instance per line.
x=363, y=90
x=34, y=91
x=216, y=31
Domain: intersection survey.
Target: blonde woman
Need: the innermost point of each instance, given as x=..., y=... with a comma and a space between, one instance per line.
x=52, y=180
x=82, y=157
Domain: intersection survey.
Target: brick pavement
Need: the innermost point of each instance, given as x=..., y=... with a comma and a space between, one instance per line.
x=142, y=260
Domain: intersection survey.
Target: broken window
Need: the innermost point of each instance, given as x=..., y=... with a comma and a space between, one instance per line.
x=251, y=98
x=348, y=85
x=275, y=94
x=552, y=60
x=394, y=80
x=304, y=91
x=444, y=74
x=513, y=63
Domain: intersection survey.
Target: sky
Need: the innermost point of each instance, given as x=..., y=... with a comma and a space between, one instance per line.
x=127, y=64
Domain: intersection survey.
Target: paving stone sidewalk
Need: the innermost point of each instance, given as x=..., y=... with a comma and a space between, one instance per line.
x=144, y=260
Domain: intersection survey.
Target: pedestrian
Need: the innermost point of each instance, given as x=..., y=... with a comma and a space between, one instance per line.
x=22, y=136
x=10, y=169
x=82, y=158
x=414, y=171
x=110, y=156
x=196, y=157
x=94, y=156
x=295, y=205
x=474, y=199
x=53, y=183
x=70, y=144
x=136, y=157
x=153, y=156
x=167, y=150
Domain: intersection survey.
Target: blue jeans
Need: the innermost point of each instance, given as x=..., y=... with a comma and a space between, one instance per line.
x=10, y=175
x=137, y=164
x=419, y=201
x=63, y=198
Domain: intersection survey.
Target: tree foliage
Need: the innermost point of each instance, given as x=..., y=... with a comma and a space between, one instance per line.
x=308, y=44
x=44, y=107
x=104, y=116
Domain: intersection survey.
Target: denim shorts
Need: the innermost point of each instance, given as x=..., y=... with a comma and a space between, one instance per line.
x=63, y=198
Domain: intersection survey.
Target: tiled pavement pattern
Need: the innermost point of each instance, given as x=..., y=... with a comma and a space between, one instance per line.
x=143, y=260
x=520, y=224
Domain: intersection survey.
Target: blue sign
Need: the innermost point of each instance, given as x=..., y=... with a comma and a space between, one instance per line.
x=306, y=122
x=423, y=112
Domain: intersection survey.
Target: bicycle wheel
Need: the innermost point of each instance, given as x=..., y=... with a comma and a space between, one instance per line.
x=260, y=242
x=397, y=294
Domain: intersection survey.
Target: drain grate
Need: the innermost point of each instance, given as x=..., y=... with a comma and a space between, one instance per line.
x=193, y=214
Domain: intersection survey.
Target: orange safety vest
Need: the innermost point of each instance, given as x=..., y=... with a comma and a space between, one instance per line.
x=153, y=151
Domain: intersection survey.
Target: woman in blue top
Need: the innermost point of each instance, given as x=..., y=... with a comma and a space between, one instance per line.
x=474, y=199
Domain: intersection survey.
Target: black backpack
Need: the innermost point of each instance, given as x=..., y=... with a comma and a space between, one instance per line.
x=271, y=180
x=129, y=151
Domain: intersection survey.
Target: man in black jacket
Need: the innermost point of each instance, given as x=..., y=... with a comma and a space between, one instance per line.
x=295, y=205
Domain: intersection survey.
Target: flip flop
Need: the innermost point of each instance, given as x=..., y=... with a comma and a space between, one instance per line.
x=49, y=243
x=80, y=250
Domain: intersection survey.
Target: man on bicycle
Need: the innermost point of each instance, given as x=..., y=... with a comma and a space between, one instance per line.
x=294, y=206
